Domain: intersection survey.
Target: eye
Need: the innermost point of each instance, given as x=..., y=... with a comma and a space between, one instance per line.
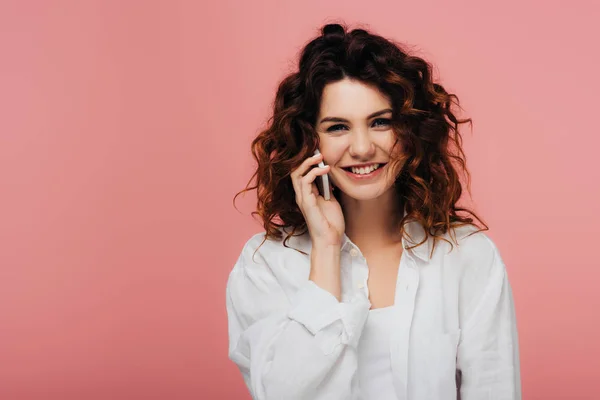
x=376, y=122
x=333, y=128
x=384, y=121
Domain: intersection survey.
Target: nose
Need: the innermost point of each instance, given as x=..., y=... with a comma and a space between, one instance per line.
x=361, y=145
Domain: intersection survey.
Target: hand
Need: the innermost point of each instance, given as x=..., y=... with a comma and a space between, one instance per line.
x=324, y=218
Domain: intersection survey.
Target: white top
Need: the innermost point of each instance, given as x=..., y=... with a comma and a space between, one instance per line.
x=374, y=364
x=453, y=311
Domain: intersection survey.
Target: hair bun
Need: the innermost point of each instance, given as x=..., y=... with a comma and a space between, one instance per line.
x=333, y=31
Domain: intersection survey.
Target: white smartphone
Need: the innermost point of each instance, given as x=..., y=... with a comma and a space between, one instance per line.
x=322, y=181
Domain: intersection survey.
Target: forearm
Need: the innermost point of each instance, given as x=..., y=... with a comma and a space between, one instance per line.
x=304, y=367
x=325, y=269
x=307, y=353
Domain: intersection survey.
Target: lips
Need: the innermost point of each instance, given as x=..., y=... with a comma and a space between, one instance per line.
x=360, y=177
x=369, y=166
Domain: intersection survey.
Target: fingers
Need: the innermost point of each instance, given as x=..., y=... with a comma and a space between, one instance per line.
x=299, y=173
x=308, y=185
x=306, y=164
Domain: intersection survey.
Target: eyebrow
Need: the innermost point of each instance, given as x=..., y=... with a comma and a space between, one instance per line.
x=338, y=119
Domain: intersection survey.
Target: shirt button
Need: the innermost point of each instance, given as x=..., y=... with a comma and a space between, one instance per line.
x=360, y=285
x=353, y=252
x=407, y=286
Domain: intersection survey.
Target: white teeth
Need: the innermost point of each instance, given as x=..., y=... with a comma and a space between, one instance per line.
x=364, y=171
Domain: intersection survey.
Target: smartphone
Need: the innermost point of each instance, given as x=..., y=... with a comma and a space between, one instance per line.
x=322, y=181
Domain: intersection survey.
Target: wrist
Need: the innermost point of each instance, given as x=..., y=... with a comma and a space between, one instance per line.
x=325, y=269
x=326, y=248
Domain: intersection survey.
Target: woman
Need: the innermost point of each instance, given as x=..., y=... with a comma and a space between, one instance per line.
x=384, y=291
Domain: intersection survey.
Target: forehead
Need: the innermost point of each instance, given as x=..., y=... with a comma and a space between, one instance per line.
x=351, y=98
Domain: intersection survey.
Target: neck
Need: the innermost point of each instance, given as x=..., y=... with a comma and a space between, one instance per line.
x=369, y=223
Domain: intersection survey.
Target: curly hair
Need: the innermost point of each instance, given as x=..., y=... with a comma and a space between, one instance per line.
x=428, y=180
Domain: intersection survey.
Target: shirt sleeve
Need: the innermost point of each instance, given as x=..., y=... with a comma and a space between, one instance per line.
x=488, y=352
x=291, y=346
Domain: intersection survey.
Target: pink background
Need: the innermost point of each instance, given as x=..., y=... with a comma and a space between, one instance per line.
x=124, y=133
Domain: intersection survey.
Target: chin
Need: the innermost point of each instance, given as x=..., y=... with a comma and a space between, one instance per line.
x=363, y=194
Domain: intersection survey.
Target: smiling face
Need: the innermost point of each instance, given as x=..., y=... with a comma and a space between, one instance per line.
x=356, y=138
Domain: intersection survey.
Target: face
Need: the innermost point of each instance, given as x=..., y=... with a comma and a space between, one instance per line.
x=356, y=138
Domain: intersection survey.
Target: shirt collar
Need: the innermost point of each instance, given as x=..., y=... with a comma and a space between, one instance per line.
x=413, y=229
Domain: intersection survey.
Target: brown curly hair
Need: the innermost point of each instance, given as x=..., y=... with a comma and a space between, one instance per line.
x=424, y=125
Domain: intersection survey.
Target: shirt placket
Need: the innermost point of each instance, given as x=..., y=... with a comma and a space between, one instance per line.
x=360, y=271
x=406, y=290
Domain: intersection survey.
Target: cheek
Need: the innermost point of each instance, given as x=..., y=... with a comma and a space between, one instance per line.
x=389, y=143
x=332, y=151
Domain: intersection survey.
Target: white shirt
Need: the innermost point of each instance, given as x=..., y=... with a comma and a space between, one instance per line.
x=375, y=376
x=453, y=312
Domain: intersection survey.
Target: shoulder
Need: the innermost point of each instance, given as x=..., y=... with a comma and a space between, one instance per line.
x=251, y=246
x=252, y=289
x=259, y=250
x=473, y=243
x=475, y=253
x=268, y=262
x=252, y=256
